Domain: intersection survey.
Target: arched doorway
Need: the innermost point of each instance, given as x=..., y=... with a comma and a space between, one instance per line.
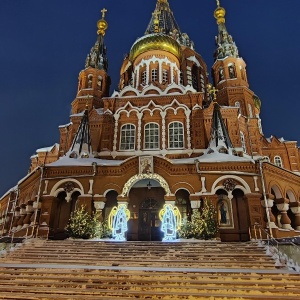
x=146, y=199
x=241, y=215
x=62, y=212
x=233, y=216
x=149, y=222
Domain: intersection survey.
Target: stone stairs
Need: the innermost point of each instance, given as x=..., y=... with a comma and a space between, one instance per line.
x=143, y=270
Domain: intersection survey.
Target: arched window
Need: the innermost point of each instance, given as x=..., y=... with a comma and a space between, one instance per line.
x=154, y=74
x=231, y=71
x=278, y=161
x=176, y=136
x=90, y=81
x=144, y=77
x=151, y=136
x=250, y=110
x=195, y=77
x=221, y=74
x=127, y=137
x=238, y=104
x=243, y=141
x=165, y=76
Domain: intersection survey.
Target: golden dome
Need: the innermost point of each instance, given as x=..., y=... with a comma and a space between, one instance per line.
x=156, y=41
x=219, y=14
x=102, y=26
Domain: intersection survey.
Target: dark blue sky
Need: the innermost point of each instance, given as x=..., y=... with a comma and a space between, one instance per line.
x=44, y=45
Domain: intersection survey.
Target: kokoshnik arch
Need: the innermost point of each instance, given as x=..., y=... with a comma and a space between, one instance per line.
x=166, y=139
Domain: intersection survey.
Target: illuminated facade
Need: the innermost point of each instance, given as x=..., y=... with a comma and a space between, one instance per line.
x=166, y=136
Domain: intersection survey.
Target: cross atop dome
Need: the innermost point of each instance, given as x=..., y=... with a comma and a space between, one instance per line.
x=163, y=21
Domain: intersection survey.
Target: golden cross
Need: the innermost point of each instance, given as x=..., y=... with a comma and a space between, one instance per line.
x=218, y=3
x=104, y=10
x=212, y=90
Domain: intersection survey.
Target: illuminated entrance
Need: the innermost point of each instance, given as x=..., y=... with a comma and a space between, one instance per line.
x=149, y=222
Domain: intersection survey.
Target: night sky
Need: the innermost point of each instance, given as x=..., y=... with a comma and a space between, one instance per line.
x=44, y=46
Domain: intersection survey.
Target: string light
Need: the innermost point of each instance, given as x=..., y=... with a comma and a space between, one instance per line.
x=117, y=222
x=171, y=221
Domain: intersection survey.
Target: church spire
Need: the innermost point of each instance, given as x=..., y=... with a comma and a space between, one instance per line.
x=225, y=44
x=97, y=57
x=163, y=21
x=81, y=146
x=219, y=137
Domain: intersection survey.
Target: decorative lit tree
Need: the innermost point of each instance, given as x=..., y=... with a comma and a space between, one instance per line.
x=203, y=224
x=209, y=217
x=82, y=225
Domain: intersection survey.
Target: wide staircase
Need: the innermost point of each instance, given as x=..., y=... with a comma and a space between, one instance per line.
x=72, y=269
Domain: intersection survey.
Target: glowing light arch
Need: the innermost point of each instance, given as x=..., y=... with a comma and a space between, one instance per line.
x=128, y=185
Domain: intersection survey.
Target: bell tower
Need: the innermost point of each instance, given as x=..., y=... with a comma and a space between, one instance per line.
x=94, y=81
x=229, y=71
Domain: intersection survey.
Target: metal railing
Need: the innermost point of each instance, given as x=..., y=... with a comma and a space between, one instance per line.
x=274, y=248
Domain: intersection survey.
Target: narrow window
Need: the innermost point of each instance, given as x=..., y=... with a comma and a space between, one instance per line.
x=243, y=142
x=151, y=136
x=165, y=76
x=176, y=135
x=127, y=137
x=144, y=77
x=154, y=74
x=231, y=71
x=278, y=161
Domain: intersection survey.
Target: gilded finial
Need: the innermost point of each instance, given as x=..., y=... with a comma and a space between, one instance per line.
x=102, y=24
x=212, y=91
x=220, y=13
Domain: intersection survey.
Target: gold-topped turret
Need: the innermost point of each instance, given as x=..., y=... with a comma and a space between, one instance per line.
x=102, y=24
x=220, y=13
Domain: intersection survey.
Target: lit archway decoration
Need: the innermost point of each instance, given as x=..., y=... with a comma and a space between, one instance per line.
x=170, y=221
x=128, y=185
x=117, y=221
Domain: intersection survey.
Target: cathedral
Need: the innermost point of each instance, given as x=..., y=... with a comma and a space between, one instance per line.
x=171, y=134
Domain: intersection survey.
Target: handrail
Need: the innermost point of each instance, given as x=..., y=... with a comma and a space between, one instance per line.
x=281, y=258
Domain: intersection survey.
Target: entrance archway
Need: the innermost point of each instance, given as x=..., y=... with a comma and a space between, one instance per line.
x=62, y=211
x=233, y=216
x=146, y=199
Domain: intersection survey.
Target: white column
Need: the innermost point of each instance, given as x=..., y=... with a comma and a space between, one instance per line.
x=163, y=129
x=188, y=131
x=117, y=116
x=139, y=134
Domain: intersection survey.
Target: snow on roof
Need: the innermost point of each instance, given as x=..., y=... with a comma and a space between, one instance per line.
x=13, y=189
x=47, y=149
x=213, y=157
x=78, y=115
x=66, y=125
x=67, y=161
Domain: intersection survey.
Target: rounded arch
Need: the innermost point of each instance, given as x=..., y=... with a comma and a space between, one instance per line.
x=111, y=187
x=59, y=183
x=291, y=195
x=244, y=185
x=183, y=186
x=130, y=183
x=275, y=190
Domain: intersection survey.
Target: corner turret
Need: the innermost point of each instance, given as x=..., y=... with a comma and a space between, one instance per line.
x=94, y=81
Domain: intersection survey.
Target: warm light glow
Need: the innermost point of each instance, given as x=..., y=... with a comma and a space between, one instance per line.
x=171, y=220
x=117, y=221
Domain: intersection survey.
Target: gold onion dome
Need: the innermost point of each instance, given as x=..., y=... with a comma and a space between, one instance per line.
x=220, y=13
x=102, y=24
x=156, y=41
